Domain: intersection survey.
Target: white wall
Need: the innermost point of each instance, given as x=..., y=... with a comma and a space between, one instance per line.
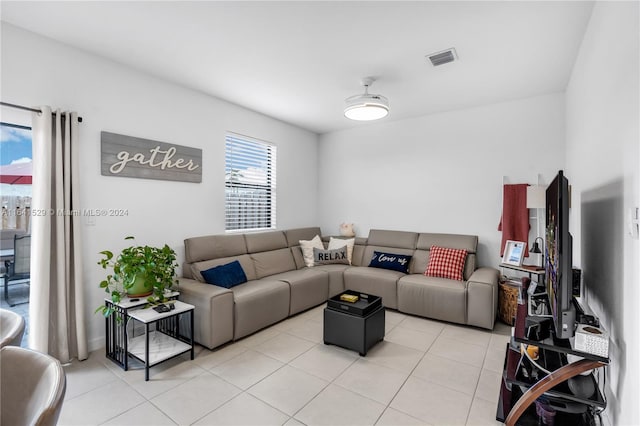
x=111, y=97
x=603, y=165
x=442, y=172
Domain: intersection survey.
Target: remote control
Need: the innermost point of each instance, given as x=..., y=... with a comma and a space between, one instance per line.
x=161, y=308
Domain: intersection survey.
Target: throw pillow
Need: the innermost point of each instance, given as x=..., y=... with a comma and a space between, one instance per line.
x=335, y=243
x=326, y=257
x=446, y=263
x=394, y=262
x=307, y=249
x=227, y=276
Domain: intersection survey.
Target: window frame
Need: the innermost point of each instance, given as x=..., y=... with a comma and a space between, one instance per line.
x=254, y=147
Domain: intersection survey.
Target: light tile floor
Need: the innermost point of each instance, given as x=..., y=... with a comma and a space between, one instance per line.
x=425, y=372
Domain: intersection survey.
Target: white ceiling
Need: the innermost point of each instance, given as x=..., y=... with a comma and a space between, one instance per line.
x=298, y=61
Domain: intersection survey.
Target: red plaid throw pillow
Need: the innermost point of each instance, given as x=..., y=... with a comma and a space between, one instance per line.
x=446, y=263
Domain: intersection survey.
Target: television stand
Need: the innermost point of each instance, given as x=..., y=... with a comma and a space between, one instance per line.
x=547, y=383
x=548, y=375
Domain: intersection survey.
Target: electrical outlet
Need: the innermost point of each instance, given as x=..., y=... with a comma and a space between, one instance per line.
x=90, y=220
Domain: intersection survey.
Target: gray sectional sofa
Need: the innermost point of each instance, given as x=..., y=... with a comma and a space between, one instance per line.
x=280, y=284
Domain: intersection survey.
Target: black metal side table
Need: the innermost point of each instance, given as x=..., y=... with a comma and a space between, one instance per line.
x=120, y=347
x=165, y=342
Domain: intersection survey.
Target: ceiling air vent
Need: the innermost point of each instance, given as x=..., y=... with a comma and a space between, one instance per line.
x=444, y=57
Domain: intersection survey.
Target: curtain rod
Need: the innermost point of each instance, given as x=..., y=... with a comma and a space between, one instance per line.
x=27, y=108
x=15, y=126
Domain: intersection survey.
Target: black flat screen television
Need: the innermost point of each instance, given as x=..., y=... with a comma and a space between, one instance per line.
x=558, y=257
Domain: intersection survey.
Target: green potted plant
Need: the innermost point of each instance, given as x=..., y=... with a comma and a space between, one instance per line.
x=138, y=271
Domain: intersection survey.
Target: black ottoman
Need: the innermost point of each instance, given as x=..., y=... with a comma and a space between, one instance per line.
x=356, y=326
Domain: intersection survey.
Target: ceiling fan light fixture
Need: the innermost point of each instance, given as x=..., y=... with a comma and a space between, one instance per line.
x=366, y=107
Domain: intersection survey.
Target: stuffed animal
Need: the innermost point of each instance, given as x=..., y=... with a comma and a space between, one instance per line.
x=346, y=230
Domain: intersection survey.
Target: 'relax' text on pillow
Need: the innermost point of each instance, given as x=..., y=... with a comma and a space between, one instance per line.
x=327, y=257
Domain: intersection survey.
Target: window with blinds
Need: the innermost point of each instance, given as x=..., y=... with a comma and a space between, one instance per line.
x=250, y=184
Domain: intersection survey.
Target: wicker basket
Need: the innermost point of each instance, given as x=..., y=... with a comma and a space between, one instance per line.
x=507, y=302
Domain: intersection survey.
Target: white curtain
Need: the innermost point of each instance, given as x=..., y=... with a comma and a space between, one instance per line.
x=56, y=309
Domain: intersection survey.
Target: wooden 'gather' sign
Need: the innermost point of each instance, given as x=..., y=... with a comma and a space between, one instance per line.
x=128, y=156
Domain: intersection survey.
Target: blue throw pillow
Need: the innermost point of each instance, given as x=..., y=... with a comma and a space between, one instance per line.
x=395, y=262
x=226, y=276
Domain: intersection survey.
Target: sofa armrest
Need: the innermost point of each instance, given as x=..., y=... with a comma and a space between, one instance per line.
x=482, y=297
x=487, y=276
x=213, y=313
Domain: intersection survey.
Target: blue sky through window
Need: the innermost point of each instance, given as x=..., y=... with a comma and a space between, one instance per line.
x=15, y=145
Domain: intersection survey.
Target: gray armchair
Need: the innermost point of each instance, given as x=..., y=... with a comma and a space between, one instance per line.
x=11, y=328
x=32, y=387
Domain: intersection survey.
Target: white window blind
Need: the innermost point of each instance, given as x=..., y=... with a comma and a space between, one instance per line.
x=250, y=184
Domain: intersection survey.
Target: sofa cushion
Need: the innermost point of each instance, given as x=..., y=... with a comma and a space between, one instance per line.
x=307, y=247
x=296, y=252
x=273, y=262
x=470, y=265
x=358, y=252
x=308, y=287
x=399, y=239
x=336, y=277
x=392, y=261
x=437, y=298
x=264, y=241
x=293, y=236
x=208, y=247
x=446, y=263
x=419, y=262
x=378, y=282
x=245, y=262
x=457, y=241
x=327, y=257
x=227, y=275
x=335, y=243
x=258, y=304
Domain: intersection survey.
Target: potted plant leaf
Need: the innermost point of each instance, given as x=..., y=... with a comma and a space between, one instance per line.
x=138, y=271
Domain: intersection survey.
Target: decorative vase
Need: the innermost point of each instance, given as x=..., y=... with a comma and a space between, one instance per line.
x=140, y=287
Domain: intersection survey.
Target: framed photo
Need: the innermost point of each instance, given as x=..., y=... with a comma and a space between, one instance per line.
x=514, y=253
